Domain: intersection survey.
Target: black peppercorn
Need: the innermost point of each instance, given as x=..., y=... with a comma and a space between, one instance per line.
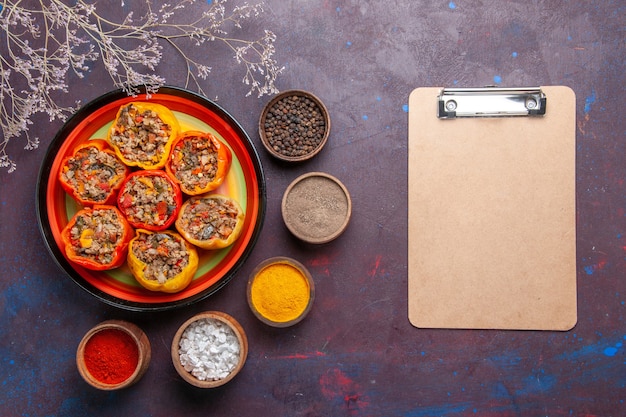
x=292, y=126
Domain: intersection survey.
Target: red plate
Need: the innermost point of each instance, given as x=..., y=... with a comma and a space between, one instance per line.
x=245, y=183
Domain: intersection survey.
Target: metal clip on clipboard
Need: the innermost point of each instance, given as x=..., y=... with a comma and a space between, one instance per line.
x=490, y=102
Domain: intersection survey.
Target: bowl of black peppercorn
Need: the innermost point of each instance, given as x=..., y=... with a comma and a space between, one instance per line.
x=294, y=126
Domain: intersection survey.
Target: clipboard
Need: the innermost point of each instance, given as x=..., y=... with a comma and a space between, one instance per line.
x=492, y=208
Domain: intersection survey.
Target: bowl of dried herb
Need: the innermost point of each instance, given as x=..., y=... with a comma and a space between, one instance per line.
x=294, y=126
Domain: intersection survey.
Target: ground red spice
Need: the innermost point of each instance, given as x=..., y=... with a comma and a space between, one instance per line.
x=111, y=356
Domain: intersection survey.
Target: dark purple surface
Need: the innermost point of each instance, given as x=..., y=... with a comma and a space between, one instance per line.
x=356, y=353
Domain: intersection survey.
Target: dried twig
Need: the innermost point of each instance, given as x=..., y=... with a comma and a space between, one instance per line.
x=71, y=38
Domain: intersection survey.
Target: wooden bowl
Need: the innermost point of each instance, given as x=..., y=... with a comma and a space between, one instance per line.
x=316, y=207
x=130, y=332
x=262, y=308
x=204, y=320
x=290, y=134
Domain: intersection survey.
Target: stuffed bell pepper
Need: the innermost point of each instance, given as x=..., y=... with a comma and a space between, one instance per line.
x=162, y=261
x=198, y=162
x=142, y=134
x=97, y=238
x=210, y=221
x=149, y=200
x=93, y=173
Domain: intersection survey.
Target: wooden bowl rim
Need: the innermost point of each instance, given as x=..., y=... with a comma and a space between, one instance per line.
x=305, y=273
x=143, y=348
x=270, y=104
x=241, y=337
x=336, y=233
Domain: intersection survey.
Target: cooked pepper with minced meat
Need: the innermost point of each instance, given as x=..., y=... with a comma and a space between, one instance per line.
x=142, y=134
x=162, y=261
x=149, y=200
x=199, y=162
x=97, y=238
x=210, y=221
x=92, y=173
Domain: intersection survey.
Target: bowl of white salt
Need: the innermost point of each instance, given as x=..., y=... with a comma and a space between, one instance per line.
x=209, y=349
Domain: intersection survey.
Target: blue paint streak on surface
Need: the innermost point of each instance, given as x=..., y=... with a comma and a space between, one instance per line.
x=589, y=101
x=348, y=44
x=537, y=383
x=500, y=391
x=584, y=352
x=22, y=370
x=497, y=79
x=441, y=411
x=589, y=269
x=452, y=5
x=365, y=117
x=73, y=406
x=405, y=108
x=598, y=349
x=20, y=296
x=514, y=54
x=612, y=350
x=504, y=361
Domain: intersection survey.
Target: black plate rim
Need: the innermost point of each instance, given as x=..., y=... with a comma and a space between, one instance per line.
x=42, y=211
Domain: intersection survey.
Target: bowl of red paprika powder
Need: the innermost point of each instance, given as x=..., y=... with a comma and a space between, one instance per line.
x=113, y=355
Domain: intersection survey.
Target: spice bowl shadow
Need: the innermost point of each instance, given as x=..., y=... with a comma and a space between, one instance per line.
x=280, y=292
x=113, y=355
x=208, y=344
x=294, y=126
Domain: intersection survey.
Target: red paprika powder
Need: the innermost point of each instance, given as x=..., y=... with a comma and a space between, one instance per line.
x=111, y=356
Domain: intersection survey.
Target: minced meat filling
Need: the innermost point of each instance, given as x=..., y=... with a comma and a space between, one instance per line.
x=194, y=161
x=164, y=255
x=96, y=235
x=140, y=136
x=92, y=173
x=206, y=218
x=148, y=199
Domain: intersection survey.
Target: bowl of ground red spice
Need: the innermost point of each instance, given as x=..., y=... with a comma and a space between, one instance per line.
x=280, y=291
x=113, y=355
x=294, y=126
x=209, y=349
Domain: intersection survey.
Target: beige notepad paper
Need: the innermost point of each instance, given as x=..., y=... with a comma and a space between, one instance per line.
x=492, y=216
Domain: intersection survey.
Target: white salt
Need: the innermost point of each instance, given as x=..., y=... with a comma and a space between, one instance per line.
x=209, y=349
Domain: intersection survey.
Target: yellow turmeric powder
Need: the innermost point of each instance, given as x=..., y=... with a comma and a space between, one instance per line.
x=280, y=292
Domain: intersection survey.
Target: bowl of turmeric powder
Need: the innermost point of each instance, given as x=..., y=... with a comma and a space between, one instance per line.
x=280, y=291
